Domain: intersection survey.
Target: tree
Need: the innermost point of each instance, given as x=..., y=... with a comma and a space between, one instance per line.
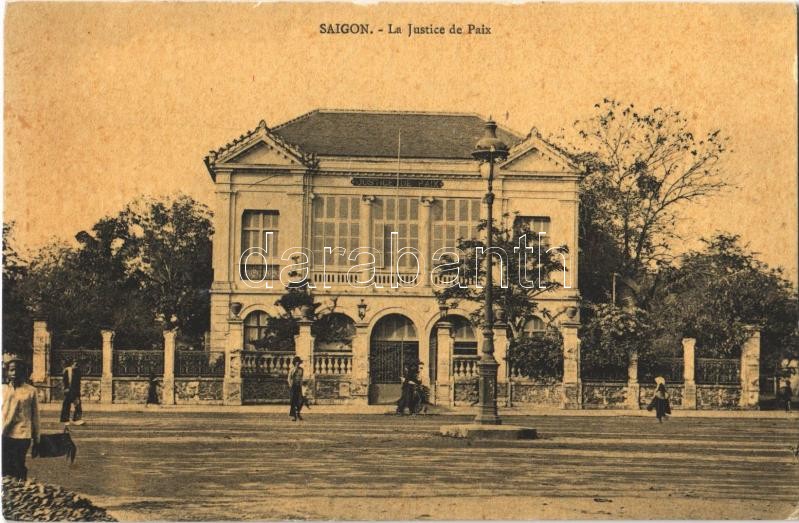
x=17, y=320
x=151, y=261
x=167, y=249
x=715, y=293
x=641, y=168
x=516, y=301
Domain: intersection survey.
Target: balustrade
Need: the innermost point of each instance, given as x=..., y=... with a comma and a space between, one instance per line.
x=332, y=363
x=465, y=367
x=266, y=363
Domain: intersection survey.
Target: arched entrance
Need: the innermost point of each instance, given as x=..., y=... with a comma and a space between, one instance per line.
x=393, y=344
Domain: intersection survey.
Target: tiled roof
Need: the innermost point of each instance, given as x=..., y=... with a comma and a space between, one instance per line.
x=376, y=134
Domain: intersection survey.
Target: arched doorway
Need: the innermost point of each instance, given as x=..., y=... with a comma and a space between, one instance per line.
x=393, y=345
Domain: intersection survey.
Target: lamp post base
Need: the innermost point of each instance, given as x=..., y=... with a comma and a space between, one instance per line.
x=489, y=432
x=487, y=412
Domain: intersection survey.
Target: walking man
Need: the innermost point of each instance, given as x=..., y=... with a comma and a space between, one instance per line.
x=72, y=376
x=295, y=388
x=20, y=419
x=785, y=394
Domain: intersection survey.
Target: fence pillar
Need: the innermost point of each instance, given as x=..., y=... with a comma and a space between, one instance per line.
x=445, y=387
x=168, y=388
x=303, y=347
x=750, y=370
x=232, y=383
x=689, y=373
x=40, y=372
x=633, y=388
x=572, y=393
x=359, y=389
x=107, y=378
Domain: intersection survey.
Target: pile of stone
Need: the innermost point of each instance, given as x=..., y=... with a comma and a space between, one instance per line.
x=31, y=501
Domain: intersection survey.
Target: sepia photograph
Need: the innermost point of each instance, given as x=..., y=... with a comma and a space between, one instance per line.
x=400, y=261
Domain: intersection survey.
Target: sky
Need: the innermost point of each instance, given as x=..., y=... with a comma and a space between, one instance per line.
x=105, y=102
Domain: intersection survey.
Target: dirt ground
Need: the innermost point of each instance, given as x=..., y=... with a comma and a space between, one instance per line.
x=172, y=465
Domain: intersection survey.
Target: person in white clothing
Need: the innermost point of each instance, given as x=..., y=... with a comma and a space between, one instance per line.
x=20, y=419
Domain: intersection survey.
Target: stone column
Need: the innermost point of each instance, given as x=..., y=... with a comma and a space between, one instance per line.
x=232, y=383
x=633, y=388
x=303, y=347
x=359, y=388
x=107, y=379
x=365, y=232
x=750, y=370
x=168, y=385
x=444, y=390
x=40, y=373
x=689, y=373
x=425, y=264
x=572, y=392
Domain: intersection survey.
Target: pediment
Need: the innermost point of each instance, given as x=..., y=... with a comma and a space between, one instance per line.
x=263, y=153
x=534, y=155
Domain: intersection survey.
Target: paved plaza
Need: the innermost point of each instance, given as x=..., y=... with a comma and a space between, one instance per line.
x=257, y=464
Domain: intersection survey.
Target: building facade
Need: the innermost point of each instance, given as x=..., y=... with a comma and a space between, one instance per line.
x=315, y=189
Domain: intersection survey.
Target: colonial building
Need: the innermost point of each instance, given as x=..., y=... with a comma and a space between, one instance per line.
x=332, y=181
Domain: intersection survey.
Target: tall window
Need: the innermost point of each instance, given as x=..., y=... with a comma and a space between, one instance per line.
x=336, y=223
x=255, y=225
x=535, y=225
x=254, y=329
x=453, y=219
x=535, y=326
x=465, y=341
x=400, y=215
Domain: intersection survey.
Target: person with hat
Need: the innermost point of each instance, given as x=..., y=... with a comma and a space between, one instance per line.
x=295, y=388
x=20, y=418
x=71, y=379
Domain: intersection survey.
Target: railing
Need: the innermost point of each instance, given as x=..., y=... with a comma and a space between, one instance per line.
x=265, y=363
x=604, y=373
x=465, y=367
x=332, y=363
x=90, y=361
x=255, y=272
x=138, y=363
x=446, y=279
x=671, y=369
x=718, y=371
x=336, y=277
x=202, y=364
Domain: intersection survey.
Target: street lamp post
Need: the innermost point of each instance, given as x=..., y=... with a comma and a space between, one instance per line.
x=488, y=149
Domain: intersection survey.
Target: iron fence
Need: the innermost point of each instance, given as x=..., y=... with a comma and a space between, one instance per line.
x=138, y=363
x=199, y=364
x=90, y=361
x=718, y=371
x=671, y=369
